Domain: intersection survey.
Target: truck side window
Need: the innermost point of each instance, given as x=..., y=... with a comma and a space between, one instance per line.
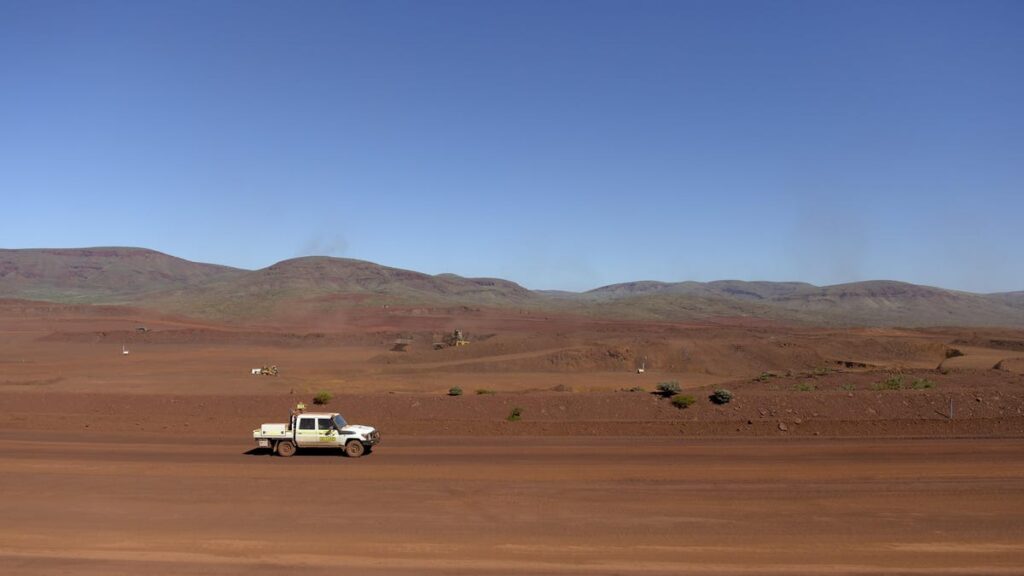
x=307, y=424
x=324, y=424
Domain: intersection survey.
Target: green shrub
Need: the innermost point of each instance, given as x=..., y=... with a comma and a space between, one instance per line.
x=848, y=387
x=515, y=415
x=765, y=376
x=805, y=387
x=922, y=384
x=890, y=383
x=484, y=391
x=322, y=397
x=721, y=396
x=455, y=391
x=669, y=389
x=683, y=401
x=822, y=371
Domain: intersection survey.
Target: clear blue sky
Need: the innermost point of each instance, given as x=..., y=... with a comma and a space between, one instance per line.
x=558, y=144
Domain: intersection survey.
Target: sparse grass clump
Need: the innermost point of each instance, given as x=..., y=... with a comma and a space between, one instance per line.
x=822, y=371
x=894, y=382
x=322, y=397
x=721, y=396
x=635, y=389
x=848, y=387
x=669, y=389
x=515, y=415
x=897, y=383
x=683, y=401
x=482, y=391
x=805, y=387
x=765, y=376
x=455, y=391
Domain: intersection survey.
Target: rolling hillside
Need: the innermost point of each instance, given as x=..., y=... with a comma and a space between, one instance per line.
x=321, y=286
x=99, y=275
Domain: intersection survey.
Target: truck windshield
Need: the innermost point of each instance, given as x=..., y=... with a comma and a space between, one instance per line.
x=339, y=421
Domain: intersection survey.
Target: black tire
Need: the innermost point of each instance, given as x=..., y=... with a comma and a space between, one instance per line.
x=354, y=449
x=285, y=448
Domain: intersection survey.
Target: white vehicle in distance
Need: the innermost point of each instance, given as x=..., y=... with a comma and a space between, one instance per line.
x=316, y=430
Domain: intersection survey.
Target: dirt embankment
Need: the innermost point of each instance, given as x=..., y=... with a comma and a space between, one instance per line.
x=914, y=403
x=211, y=336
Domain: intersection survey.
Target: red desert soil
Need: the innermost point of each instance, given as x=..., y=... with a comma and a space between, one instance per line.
x=94, y=504
x=132, y=463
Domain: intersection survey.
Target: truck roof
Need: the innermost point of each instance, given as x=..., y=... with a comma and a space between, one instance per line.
x=319, y=414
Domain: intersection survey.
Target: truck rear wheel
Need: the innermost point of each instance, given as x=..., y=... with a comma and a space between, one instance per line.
x=285, y=448
x=354, y=449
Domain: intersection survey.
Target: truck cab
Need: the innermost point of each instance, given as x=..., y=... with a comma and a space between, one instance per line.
x=317, y=430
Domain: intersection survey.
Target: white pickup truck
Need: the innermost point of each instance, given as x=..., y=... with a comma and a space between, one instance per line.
x=316, y=430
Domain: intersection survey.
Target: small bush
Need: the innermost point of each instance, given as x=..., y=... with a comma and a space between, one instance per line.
x=890, y=383
x=635, y=389
x=765, y=376
x=484, y=391
x=922, y=384
x=822, y=371
x=683, y=401
x=848, y=387
x=805, y=387
x=322, y=397
x=455, y=391
x=721, y=396
x=669, y=389
x=515, y=415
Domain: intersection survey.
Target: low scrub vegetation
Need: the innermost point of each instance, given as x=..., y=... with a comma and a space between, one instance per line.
x=515, y=415
x=765, y=376
x=485, y=391
x=891, y=383
x=721, y=396
x=669, y=389
x=455, y=391
x=897, y=383
x=805, y=387
x=683, y=401
x=322, y=397
x=922, y=384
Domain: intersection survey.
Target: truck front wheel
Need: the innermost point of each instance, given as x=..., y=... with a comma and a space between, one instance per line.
x=354, y=449
x=285, y=448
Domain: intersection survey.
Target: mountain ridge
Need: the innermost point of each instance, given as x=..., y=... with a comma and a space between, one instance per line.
x=143, y=277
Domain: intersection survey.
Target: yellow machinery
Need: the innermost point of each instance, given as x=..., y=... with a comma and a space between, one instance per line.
x=454, y=339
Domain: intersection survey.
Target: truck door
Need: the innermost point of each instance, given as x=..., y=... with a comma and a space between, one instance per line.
x=327, y=434
x=305, y=432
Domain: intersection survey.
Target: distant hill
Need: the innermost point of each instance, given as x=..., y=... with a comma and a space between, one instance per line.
x=99, y=275
x=322, y=285
x=879, y=302
x=326, y=283
x=718, y=289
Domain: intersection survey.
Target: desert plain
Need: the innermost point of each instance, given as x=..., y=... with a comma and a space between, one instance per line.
x=144, y=462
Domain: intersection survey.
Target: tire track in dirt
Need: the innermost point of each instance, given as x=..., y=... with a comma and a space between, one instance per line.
x=124, y=503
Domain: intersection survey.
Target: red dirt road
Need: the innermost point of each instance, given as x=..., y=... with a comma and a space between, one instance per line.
x=120, y=504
